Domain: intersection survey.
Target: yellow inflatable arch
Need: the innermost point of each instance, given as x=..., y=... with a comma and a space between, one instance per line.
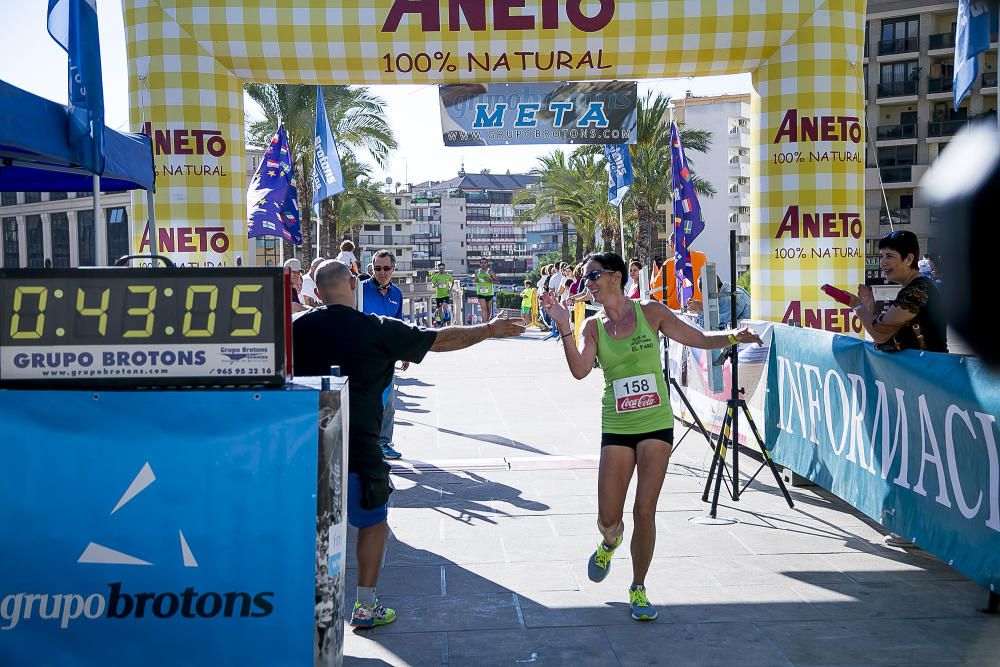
x=188, y=60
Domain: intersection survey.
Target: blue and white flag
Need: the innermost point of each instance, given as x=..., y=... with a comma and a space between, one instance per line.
x=272, y=208
x=619, y=172
x=687, y=216
x=73, y=25
x=972, y=37
x=327, y=174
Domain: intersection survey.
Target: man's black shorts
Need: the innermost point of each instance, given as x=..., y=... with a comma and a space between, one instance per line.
x=441, y=299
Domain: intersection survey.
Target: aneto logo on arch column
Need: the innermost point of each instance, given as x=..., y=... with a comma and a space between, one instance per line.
x=63, y=609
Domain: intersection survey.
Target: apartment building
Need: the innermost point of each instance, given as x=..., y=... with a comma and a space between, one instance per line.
x=471, y=216
x=726, y=166
x=56, y=229
x=909, y=57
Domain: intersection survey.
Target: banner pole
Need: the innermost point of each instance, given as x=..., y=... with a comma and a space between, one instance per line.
x=621, y=226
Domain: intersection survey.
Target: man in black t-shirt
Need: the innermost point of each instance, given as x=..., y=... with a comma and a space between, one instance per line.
x=366, y=347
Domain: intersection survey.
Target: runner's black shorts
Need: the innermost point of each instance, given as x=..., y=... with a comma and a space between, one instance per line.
x=485, y=297
x=441, y=299
x=633, y=439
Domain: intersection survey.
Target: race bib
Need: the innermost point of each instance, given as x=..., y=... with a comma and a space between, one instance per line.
x=636, y=393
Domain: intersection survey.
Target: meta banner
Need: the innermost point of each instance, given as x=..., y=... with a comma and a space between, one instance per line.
x=158, y=527
x=908, y=438
x=538, y=113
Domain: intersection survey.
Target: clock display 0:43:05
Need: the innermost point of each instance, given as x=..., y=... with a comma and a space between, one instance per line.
x=143, y=310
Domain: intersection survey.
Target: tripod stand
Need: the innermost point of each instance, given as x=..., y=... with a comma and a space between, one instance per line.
x=730, y=431
x=680, y=392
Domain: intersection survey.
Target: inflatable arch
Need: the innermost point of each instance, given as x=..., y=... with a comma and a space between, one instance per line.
x=188, y=60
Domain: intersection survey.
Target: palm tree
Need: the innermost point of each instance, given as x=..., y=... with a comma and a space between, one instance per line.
x=356, y=119
x=362, y=200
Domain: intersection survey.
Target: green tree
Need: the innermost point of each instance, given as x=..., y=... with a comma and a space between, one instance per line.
x=356, y=120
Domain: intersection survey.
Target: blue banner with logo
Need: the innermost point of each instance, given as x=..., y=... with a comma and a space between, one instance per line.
x=327, y=175
x=158, y=527
x=620, y=176
x=73, y=25
x=909, y=438
x=972, y=37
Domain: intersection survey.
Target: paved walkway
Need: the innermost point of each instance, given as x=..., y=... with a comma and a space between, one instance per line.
x=495, y=515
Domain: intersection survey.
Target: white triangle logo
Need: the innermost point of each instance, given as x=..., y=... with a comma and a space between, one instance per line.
x=98, y=554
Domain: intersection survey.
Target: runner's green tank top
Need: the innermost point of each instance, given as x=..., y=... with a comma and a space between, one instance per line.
x=484, y=286
x=635, y=393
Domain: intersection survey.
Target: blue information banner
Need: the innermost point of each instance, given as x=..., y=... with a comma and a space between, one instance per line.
x=158, y=527
x=909, y=438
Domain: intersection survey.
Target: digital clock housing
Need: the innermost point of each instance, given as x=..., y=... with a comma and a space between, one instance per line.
x=127, y=327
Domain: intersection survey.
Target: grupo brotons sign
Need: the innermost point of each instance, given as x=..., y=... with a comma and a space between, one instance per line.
x=188, y=61
x=909, y=438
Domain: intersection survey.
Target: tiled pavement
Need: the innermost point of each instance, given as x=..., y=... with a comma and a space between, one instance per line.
x=495, y=516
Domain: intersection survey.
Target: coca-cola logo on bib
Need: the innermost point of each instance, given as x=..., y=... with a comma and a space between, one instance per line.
x=638, y=402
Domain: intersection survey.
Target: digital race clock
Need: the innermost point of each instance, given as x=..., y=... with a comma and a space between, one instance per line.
x=170, y=326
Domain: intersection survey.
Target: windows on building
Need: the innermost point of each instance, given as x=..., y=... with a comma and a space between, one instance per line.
x=34, y=237
x=85, y=238
x=11, y=252
x=59, y=225
x=32, y=197
x=8, y=198
x=117, y=233
x=900, y=35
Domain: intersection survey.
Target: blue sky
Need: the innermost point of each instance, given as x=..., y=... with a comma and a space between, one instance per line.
x=30, y=59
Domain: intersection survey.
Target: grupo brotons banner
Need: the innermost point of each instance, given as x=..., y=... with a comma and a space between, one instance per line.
x=188, y=60
x=908, y=438
x=602, y=112
x=140, y=527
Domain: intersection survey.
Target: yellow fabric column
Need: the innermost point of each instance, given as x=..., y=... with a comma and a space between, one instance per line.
x=807, y=171
x=192, y=107
x=579, y=314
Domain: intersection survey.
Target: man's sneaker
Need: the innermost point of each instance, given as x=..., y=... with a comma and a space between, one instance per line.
x=389, y=453
x=639, y=604
x=600, y=561
x=368, y=616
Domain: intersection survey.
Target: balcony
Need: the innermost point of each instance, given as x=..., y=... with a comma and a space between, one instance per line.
x=740, y=168
x=939, y=85
x=888, y=47
x=897, y=174
x=424, y=264
x=897, y=89
x=382, y=240
x=739, y=138
x=945, y=128
x=894, y=132
x=943, y=40
x=989, y=79
x=900, y=216
x=739, y=197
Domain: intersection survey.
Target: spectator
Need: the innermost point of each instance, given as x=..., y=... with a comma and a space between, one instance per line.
x=294, y=267
x=725, y=305
x=347, y=256
x=666, y=283
x=382, y=297
x=309, y=295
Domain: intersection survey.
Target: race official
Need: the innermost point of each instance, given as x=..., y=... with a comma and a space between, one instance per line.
x=366, y=347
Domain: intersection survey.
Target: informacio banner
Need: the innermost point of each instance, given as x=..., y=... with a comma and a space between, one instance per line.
x=505, y=114
x=908, y=438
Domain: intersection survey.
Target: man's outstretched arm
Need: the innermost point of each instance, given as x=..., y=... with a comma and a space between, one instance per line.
x=457, y=338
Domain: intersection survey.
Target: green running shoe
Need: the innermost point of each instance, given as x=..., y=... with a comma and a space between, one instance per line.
x=600, y=561
x=368, y=616
x=639, y=604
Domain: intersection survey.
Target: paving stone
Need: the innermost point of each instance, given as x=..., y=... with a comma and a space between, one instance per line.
x=660, y=643
x=569, y=646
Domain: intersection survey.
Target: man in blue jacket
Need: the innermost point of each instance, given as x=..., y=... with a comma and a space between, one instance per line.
x=380, y=296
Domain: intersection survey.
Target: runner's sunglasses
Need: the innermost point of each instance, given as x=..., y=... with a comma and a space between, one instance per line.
x=595, y=275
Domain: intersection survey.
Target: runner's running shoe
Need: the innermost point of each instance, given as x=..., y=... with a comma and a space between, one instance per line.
x=368, y=616
x=600, y=561
x=639, y=604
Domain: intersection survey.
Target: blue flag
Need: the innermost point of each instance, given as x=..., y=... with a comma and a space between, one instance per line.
x=972, y=37
x=272, y=208
x=73, y=25
x=327, y=175
x=619, y=172
x=687, y=216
